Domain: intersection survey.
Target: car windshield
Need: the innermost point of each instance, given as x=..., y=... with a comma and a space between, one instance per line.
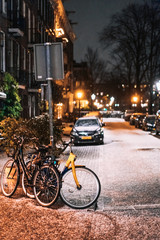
x=151, y=119
x=141, y=117
x=86, y=122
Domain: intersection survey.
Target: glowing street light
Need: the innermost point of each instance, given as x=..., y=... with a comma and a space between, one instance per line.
x=79, y=96
x=158, y=86
x=111, y=101
x=93, y=97
x=135, y=99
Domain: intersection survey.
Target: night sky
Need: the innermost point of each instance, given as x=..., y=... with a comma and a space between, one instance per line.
x=92, y=16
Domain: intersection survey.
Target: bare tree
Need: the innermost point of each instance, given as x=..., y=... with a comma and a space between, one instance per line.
x=133, y=35
x=97, y=67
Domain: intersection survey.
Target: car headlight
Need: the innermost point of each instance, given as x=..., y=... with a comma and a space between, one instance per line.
x=149, y=124
x=99, y=131
x=74, y=132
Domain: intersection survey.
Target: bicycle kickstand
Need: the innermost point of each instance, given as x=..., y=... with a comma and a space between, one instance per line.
x=95, y=206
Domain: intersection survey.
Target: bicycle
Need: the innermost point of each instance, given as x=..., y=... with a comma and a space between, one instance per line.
x=79, y=185
x=13, y=167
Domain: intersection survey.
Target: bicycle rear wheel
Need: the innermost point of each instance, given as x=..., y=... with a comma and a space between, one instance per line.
x=86, y=195
x=10, y=178
x=46, y=185
x=28, y=188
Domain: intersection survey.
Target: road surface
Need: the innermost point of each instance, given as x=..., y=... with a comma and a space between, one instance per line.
x=128, y=166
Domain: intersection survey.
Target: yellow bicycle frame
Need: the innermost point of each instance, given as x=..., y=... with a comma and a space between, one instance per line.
x=71, y=160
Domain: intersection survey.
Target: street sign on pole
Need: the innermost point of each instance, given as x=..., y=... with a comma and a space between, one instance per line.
x=55, y=53
x=48, y=59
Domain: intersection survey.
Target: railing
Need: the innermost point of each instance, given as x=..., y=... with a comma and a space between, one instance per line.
x=17, y=20
x=24, y=78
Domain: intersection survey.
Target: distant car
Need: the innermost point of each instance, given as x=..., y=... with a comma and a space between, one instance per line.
x=149, y=123
x=97, y=114
x=87, y=130
x=134, y=116
x=128, y=114
x=67, y=128
x=139, y=120
x=157, y=125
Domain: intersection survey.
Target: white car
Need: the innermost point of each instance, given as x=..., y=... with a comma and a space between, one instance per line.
x=87, y=130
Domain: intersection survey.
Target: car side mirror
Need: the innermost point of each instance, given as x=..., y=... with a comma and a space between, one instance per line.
x=71, y=125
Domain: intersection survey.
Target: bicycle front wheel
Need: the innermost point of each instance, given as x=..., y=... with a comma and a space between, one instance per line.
x=89, y=188
x=10, y=178
x=46, y=185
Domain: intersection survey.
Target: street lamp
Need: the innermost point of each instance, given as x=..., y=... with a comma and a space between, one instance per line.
x=134, y=100
x=111, y=101
x=93, y=97
x=158, y=88
x=79, y=96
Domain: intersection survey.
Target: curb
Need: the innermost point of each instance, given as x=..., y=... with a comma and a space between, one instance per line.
x=131, y=207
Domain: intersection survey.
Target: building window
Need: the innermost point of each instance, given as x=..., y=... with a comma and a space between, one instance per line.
x=29, y=25
x=34, y=28
x=24, y=9
x=2, y=51
x=10, y=54
x=24, y=59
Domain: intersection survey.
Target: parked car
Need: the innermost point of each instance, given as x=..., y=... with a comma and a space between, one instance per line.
x=128, y=114
x=139, y=120
x=157, y=125
x=149, y=123
x=88, y=130
x=134, y=116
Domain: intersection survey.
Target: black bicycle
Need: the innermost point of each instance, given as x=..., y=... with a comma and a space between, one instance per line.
x=12, y=169
x=79, y=185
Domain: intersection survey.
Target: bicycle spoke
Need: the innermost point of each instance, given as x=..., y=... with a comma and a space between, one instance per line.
x=86, y=195
x=9, y=178
x=46, y=185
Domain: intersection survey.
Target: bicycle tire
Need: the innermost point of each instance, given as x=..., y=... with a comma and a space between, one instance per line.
x=89, y=192
x=10, y=177
x=27, y=188
x=46, y=185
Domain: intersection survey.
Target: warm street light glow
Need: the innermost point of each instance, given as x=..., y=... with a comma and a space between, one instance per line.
x=59, y=32
x=79, y=95
x=135, y=99
x=65, y=39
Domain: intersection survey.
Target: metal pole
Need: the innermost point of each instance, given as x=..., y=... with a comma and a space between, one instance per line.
x=49, y=79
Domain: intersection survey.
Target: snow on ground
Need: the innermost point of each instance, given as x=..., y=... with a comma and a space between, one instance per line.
x=113, y=120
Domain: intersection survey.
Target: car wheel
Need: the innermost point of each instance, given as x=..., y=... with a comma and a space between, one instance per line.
x=145, y=129
x=75, y=144
x=157, y=133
